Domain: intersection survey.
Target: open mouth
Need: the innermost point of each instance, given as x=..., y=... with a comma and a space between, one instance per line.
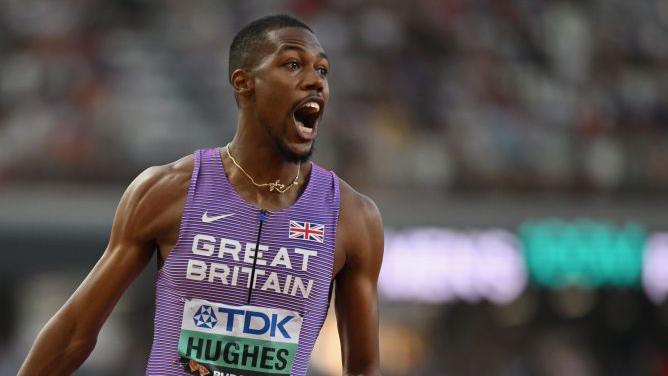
x=307, y=115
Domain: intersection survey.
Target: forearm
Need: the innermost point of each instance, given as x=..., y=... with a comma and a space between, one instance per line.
x=372, y=371
x=58, y=350
x=368, y=368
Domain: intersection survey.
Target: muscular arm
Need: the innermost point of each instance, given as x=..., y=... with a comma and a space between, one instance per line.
x=361, y=236
x=70, y=335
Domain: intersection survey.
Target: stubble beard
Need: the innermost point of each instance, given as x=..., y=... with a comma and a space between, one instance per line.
x=286, y=154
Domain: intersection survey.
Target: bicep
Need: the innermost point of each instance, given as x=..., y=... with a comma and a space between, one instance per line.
x=357, y=319
x=129, y=250
x=97, y=295
x=356, y=295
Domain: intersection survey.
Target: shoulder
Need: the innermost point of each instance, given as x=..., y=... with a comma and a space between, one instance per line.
x=360, y=223
x=357, y=207
x=160, y=182
x=154, y=195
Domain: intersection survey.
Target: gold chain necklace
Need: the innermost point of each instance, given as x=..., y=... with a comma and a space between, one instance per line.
x=275, y=186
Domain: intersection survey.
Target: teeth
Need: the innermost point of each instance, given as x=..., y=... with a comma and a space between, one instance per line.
x=313, y=105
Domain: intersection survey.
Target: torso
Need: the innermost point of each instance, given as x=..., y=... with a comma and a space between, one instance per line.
x=170, y=220
x=226, y=281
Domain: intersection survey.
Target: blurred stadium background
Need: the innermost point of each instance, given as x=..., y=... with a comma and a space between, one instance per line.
x=516, y=148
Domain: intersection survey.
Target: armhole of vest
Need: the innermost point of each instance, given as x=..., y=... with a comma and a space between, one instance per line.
x=337, y=208
x=183, y=225
x=193, y=179
x=337, y=194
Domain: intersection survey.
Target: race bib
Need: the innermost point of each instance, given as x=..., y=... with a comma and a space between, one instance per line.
x=225, y=340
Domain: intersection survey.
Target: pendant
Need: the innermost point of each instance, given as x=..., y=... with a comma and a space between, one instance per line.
x=276, y=186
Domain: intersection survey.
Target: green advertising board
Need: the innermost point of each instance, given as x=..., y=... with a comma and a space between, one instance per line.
x=583, y=252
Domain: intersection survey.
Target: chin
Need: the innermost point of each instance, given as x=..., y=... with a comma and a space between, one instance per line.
x=295, y=153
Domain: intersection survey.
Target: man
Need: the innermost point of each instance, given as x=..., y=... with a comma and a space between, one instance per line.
x=250, y=237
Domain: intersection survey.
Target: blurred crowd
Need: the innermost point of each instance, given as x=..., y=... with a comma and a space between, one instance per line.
x=510, y=95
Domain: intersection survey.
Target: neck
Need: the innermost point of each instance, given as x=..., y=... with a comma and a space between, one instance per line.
x=258, y=155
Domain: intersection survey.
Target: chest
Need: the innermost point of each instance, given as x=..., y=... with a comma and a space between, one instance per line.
x=287, y=242
x=229, y=253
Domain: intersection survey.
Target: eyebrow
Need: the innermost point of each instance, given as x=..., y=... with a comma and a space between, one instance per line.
x=293, y=47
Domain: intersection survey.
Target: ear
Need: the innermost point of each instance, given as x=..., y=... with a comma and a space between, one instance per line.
x=242, y=82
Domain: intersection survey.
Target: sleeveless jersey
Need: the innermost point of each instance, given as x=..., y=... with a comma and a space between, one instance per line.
x=204, y=321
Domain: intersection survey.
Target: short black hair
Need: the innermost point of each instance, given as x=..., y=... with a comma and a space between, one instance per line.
x=252, y=35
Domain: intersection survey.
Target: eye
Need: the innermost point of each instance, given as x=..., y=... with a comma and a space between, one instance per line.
x=292, y=65
x=323, y=71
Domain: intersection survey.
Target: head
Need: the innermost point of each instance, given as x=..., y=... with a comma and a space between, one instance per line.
x=278, y=71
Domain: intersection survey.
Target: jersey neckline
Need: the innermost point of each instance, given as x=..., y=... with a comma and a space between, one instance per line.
x=228, y=185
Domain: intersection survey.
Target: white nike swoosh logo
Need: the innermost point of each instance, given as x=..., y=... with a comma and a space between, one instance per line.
x=207, y=219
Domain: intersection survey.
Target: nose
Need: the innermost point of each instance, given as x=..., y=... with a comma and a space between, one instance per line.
x=313, y=80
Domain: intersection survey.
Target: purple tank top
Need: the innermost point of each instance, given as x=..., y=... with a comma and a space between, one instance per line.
x=204, y=322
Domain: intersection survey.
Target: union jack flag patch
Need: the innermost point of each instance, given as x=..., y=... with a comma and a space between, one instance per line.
x=307, y=231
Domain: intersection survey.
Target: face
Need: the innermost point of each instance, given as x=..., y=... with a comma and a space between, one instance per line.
x=291, y=91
